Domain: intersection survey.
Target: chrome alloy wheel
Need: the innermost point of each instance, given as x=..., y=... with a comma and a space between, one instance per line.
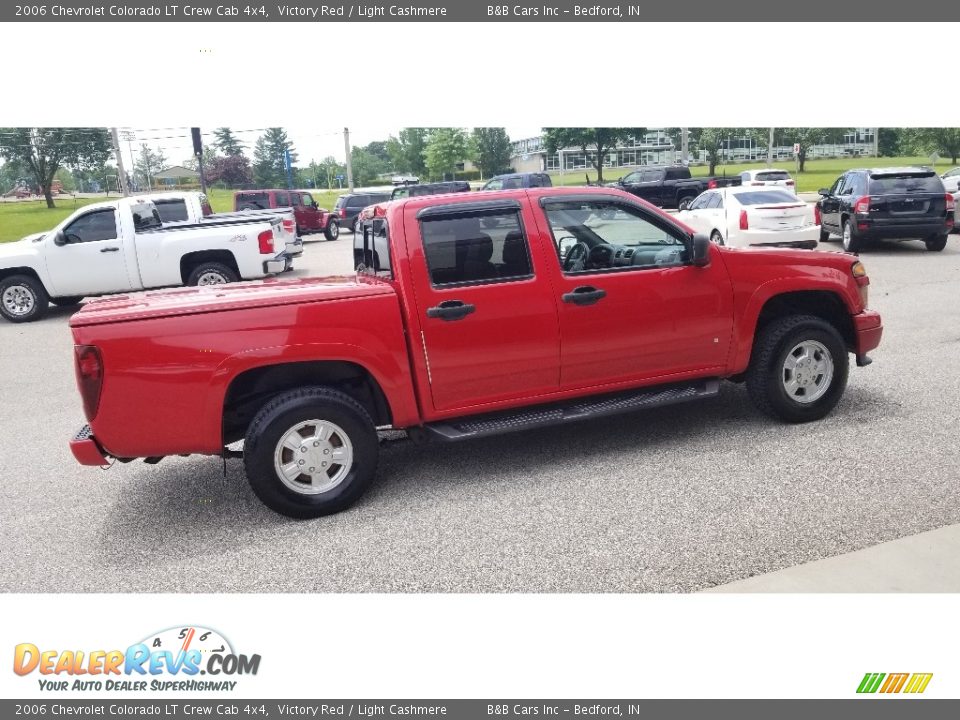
x=807, y=372
x=313, y=457
x=19, y=300
x=212, y=277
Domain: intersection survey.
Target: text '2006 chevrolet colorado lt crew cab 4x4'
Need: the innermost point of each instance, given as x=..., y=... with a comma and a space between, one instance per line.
x=469, y=315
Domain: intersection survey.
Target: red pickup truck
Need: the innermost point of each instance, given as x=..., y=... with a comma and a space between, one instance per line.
x=469, y=315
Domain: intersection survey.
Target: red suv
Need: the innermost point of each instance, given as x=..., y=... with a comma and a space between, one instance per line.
x=310, y=217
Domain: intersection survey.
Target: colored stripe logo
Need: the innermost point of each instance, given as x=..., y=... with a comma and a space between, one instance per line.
x=913, y=683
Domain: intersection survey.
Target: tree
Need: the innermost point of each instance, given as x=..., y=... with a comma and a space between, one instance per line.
x=227, y=143
x=943, y=141
x=407, y=151
x=45, y=150
x=599, y=141
x=268, y=158
x=491, y=150
x=231, y=170
x=366, y=166
x=445, y=149
x=148, y=163
x=807, y=137
x=889, y=141
x=378, y=148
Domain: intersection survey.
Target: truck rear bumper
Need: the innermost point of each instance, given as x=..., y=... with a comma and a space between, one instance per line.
x=85, y=448
x=276, y=265
x=868, y=328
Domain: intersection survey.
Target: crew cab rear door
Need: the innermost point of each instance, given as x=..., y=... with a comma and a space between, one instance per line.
x=486, y=308
x=632, y=306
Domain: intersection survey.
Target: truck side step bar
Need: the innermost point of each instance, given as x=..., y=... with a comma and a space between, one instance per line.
x=572, y=411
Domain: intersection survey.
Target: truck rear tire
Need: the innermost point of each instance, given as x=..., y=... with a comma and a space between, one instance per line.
x=22, y=298
x=332, y=231
x=311, y=452
x=685, y=199
x=936, y=243
x=798, y=370
x=212, y=273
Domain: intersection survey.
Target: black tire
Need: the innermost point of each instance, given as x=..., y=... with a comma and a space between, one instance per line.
x=766, y=372
x=67, y=301
x=227, y=274
x=686, y=199
x=332, y=231
x=22, y=299
x=285, y=412
x=936, y=243
x=851, y=243
x=716, y=237
x=824, y=235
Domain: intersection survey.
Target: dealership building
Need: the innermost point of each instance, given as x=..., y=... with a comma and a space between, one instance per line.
x=657, y=147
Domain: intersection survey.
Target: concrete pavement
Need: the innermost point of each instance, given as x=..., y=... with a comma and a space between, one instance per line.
x=927, y=562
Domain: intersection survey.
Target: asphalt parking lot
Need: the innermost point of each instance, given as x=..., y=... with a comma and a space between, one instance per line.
x=677, y=499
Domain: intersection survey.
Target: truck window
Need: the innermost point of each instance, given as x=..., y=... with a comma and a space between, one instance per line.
x=93, y=227
x=283, y=199
x=172, y=210
x=296, y=199
x=494, y=185
x=605, y=236
x=476, y=247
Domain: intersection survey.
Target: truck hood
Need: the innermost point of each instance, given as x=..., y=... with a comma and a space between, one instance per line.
x=18, y=248
x=809, y=261
x=219, y=298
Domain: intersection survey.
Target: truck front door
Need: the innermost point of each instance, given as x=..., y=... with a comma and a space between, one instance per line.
x=487, y=313
x=632, y=306
x=91, y=260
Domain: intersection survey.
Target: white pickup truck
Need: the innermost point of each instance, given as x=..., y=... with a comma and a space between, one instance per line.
x=122, y=245
x=193, y=207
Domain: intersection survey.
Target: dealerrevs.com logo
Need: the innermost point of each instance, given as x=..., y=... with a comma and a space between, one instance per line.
x=172, y=659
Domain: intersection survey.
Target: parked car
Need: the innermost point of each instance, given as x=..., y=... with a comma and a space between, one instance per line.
x=440, y=188
x=751, y=216
x=451, y=332
x=310, y=217
x=907, y=203
x=768, y=177
x=349, y=206
x=122, y=245
x=669, y=186
x=513, y=181
x=404, y=180
x=193, y=207
x=951, y=180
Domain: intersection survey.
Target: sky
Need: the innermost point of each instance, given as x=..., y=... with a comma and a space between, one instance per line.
x=310, y=143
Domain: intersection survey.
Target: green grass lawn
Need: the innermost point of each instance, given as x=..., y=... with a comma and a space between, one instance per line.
x=18, y=219
x=817, y=173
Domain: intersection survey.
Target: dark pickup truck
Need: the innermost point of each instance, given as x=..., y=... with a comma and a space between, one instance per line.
x=670, y=185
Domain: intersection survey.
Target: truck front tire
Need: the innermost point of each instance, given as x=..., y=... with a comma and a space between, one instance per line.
x=936, y=243
x=798, y=370
x=310, y=452
x=22, y=298
x=211, y=273
x=332, y=231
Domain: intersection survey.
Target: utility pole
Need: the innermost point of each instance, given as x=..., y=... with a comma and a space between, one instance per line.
x=684, y=146
x=770, y=149
x=876, y=142
x=123, y=175
x=346, y=149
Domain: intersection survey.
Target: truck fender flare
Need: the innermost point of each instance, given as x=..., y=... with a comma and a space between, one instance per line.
x=746, y=325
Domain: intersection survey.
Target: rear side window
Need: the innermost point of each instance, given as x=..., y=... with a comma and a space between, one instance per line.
x=341, y=202
x=773, y=175
x=905, y=183
x=283, y=199
x=476, y=248
x=260, y=201
x=172, y=210
x=765, y=196
x=715, y=201
x=512, y=183
x=92, y=227
x=296, y=199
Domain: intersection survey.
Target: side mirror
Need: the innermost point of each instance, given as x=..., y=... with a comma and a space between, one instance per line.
x=823, y=191
x=700, y=250
x=685, y=205
x=60, y=239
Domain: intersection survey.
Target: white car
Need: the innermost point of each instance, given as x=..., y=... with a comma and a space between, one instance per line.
x=753, y=217
x=768, y=177
x=951, y=180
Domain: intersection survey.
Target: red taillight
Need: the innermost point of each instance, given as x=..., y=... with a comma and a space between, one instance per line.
x=951, y=203
x=711, y=184
x=343, y=212
x=862, y=206
x=757, y=183
x=289, y=226
x=266, y=241
x=790, y=182
x=207, y=210
x=89, y=369
x=744, y=220
x=816, y=215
